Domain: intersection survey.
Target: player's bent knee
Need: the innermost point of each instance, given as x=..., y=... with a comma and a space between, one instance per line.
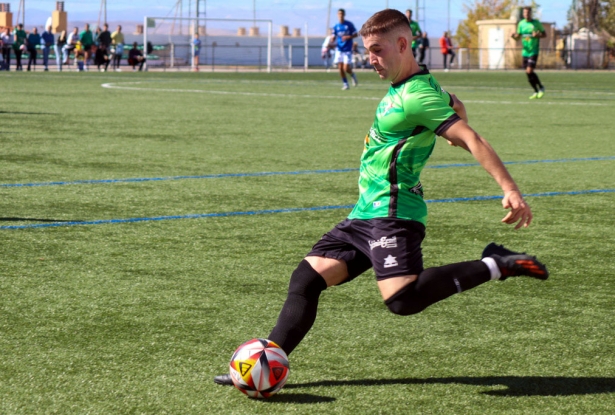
x=306, y=282
x=405, y=302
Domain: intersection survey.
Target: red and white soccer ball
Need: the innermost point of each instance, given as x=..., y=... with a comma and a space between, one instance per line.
x=259, y=368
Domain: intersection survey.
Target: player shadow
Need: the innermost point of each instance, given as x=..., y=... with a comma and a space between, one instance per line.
x=35, y=220
x=515, y=385
x=304, y=398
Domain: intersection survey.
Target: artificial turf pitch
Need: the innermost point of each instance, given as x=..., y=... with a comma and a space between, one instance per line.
x=137, y=317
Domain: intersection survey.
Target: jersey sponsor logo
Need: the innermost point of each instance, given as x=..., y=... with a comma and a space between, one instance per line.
x=384, y=242
x=388, y=109
x=390, y=261
x=417, y=190
x=373, y=134
x=377, y=204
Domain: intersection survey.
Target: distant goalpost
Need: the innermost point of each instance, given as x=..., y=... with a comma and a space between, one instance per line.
x=181, y=49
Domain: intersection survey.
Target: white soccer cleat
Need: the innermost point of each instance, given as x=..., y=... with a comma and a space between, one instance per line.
x=345, y=87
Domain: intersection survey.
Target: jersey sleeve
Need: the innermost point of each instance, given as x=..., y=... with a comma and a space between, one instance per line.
x=519, y=28
x=431, y=109
x=538, y=26
x=353, y=30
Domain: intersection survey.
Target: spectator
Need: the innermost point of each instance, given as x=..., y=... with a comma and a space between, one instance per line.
x=325, y=51
x=95, y=39
x=135, y=57
x=7, y=45
x=79, y=56
x=423, y=44
x=87, y=41
x=101, y=57
x=59, y=49
x=357, y=57
x=71, y=43
x=47, y=40
x=117, y=40
x=446, y=47
x=104, y=38
x=33, y=40
x=19, y=45
x=197, y=50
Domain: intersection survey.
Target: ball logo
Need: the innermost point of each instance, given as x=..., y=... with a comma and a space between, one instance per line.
x=277, y=372
x=244, y=368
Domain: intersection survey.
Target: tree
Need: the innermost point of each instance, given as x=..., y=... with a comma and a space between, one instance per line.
x=467, y=31
x=585, y=13
x=596, y=15
x=606, y=20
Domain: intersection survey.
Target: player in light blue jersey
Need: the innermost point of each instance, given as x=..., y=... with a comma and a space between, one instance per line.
x=342, y=34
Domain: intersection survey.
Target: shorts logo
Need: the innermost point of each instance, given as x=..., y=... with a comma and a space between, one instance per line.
x=384, y=242
x=377, y=204
x=390, y=262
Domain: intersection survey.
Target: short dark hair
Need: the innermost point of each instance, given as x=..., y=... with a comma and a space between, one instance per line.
x=528, y=8
x=342, y=10
x=383, y=22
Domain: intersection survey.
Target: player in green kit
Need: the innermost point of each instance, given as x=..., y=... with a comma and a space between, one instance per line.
x=385, y=229
x=416, y=31
x=531, y=31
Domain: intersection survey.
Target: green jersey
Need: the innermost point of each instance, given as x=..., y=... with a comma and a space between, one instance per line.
x=397, y=147
x=531, y=45
x=416, y=31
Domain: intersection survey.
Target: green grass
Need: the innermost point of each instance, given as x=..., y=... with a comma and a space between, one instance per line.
x=138, y=317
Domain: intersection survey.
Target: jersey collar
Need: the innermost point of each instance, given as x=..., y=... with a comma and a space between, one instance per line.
x=423, y=71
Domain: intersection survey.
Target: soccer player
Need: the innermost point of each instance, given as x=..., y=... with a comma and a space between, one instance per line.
x=387, y=225
x=530, y=31
x=416, y=31
x=343, y=33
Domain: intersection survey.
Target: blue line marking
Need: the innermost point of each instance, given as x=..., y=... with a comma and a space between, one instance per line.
x=285, y=210
x=279, y=173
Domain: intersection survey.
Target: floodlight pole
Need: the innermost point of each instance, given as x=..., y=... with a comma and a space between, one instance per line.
x=306, y=50
x=328, y=19
x=448, y=18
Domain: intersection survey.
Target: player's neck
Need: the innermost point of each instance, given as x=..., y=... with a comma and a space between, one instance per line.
x=408, y=69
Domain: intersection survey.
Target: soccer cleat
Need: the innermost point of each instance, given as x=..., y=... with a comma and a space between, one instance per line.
x=514, y=264
x=345, y=87
x=223, y=380
x=354, y=82
x=534, y=95
x=540, y=93
x=495, y=249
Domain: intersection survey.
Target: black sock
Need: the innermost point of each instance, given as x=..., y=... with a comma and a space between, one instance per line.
x=532, y=81
x=436, y=284
x=299, y=311
x=537, y=81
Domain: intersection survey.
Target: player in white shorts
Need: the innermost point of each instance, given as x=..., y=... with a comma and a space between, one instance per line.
x=343, y=33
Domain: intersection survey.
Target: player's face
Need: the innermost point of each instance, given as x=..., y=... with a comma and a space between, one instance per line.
x=340, y=16
x=527, y=14
x=383, y=55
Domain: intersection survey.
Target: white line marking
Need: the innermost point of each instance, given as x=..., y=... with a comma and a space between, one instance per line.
x=117, y=85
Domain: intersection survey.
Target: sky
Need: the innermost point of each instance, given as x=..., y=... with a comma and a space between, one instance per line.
x=293, y=13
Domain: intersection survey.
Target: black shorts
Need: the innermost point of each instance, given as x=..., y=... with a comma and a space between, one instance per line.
x=391, y=246
x=530, y=61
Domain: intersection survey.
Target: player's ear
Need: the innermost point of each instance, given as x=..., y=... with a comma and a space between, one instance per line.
x=402, y=44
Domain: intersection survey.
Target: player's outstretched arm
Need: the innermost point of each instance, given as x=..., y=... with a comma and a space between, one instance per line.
x=462, y=135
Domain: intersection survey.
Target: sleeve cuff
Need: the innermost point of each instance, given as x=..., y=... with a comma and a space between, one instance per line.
x=446, y=124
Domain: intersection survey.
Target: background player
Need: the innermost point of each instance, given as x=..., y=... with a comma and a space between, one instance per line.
x=343, y=33
x=387, y=225
x=530, y=31
x=416, y=31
